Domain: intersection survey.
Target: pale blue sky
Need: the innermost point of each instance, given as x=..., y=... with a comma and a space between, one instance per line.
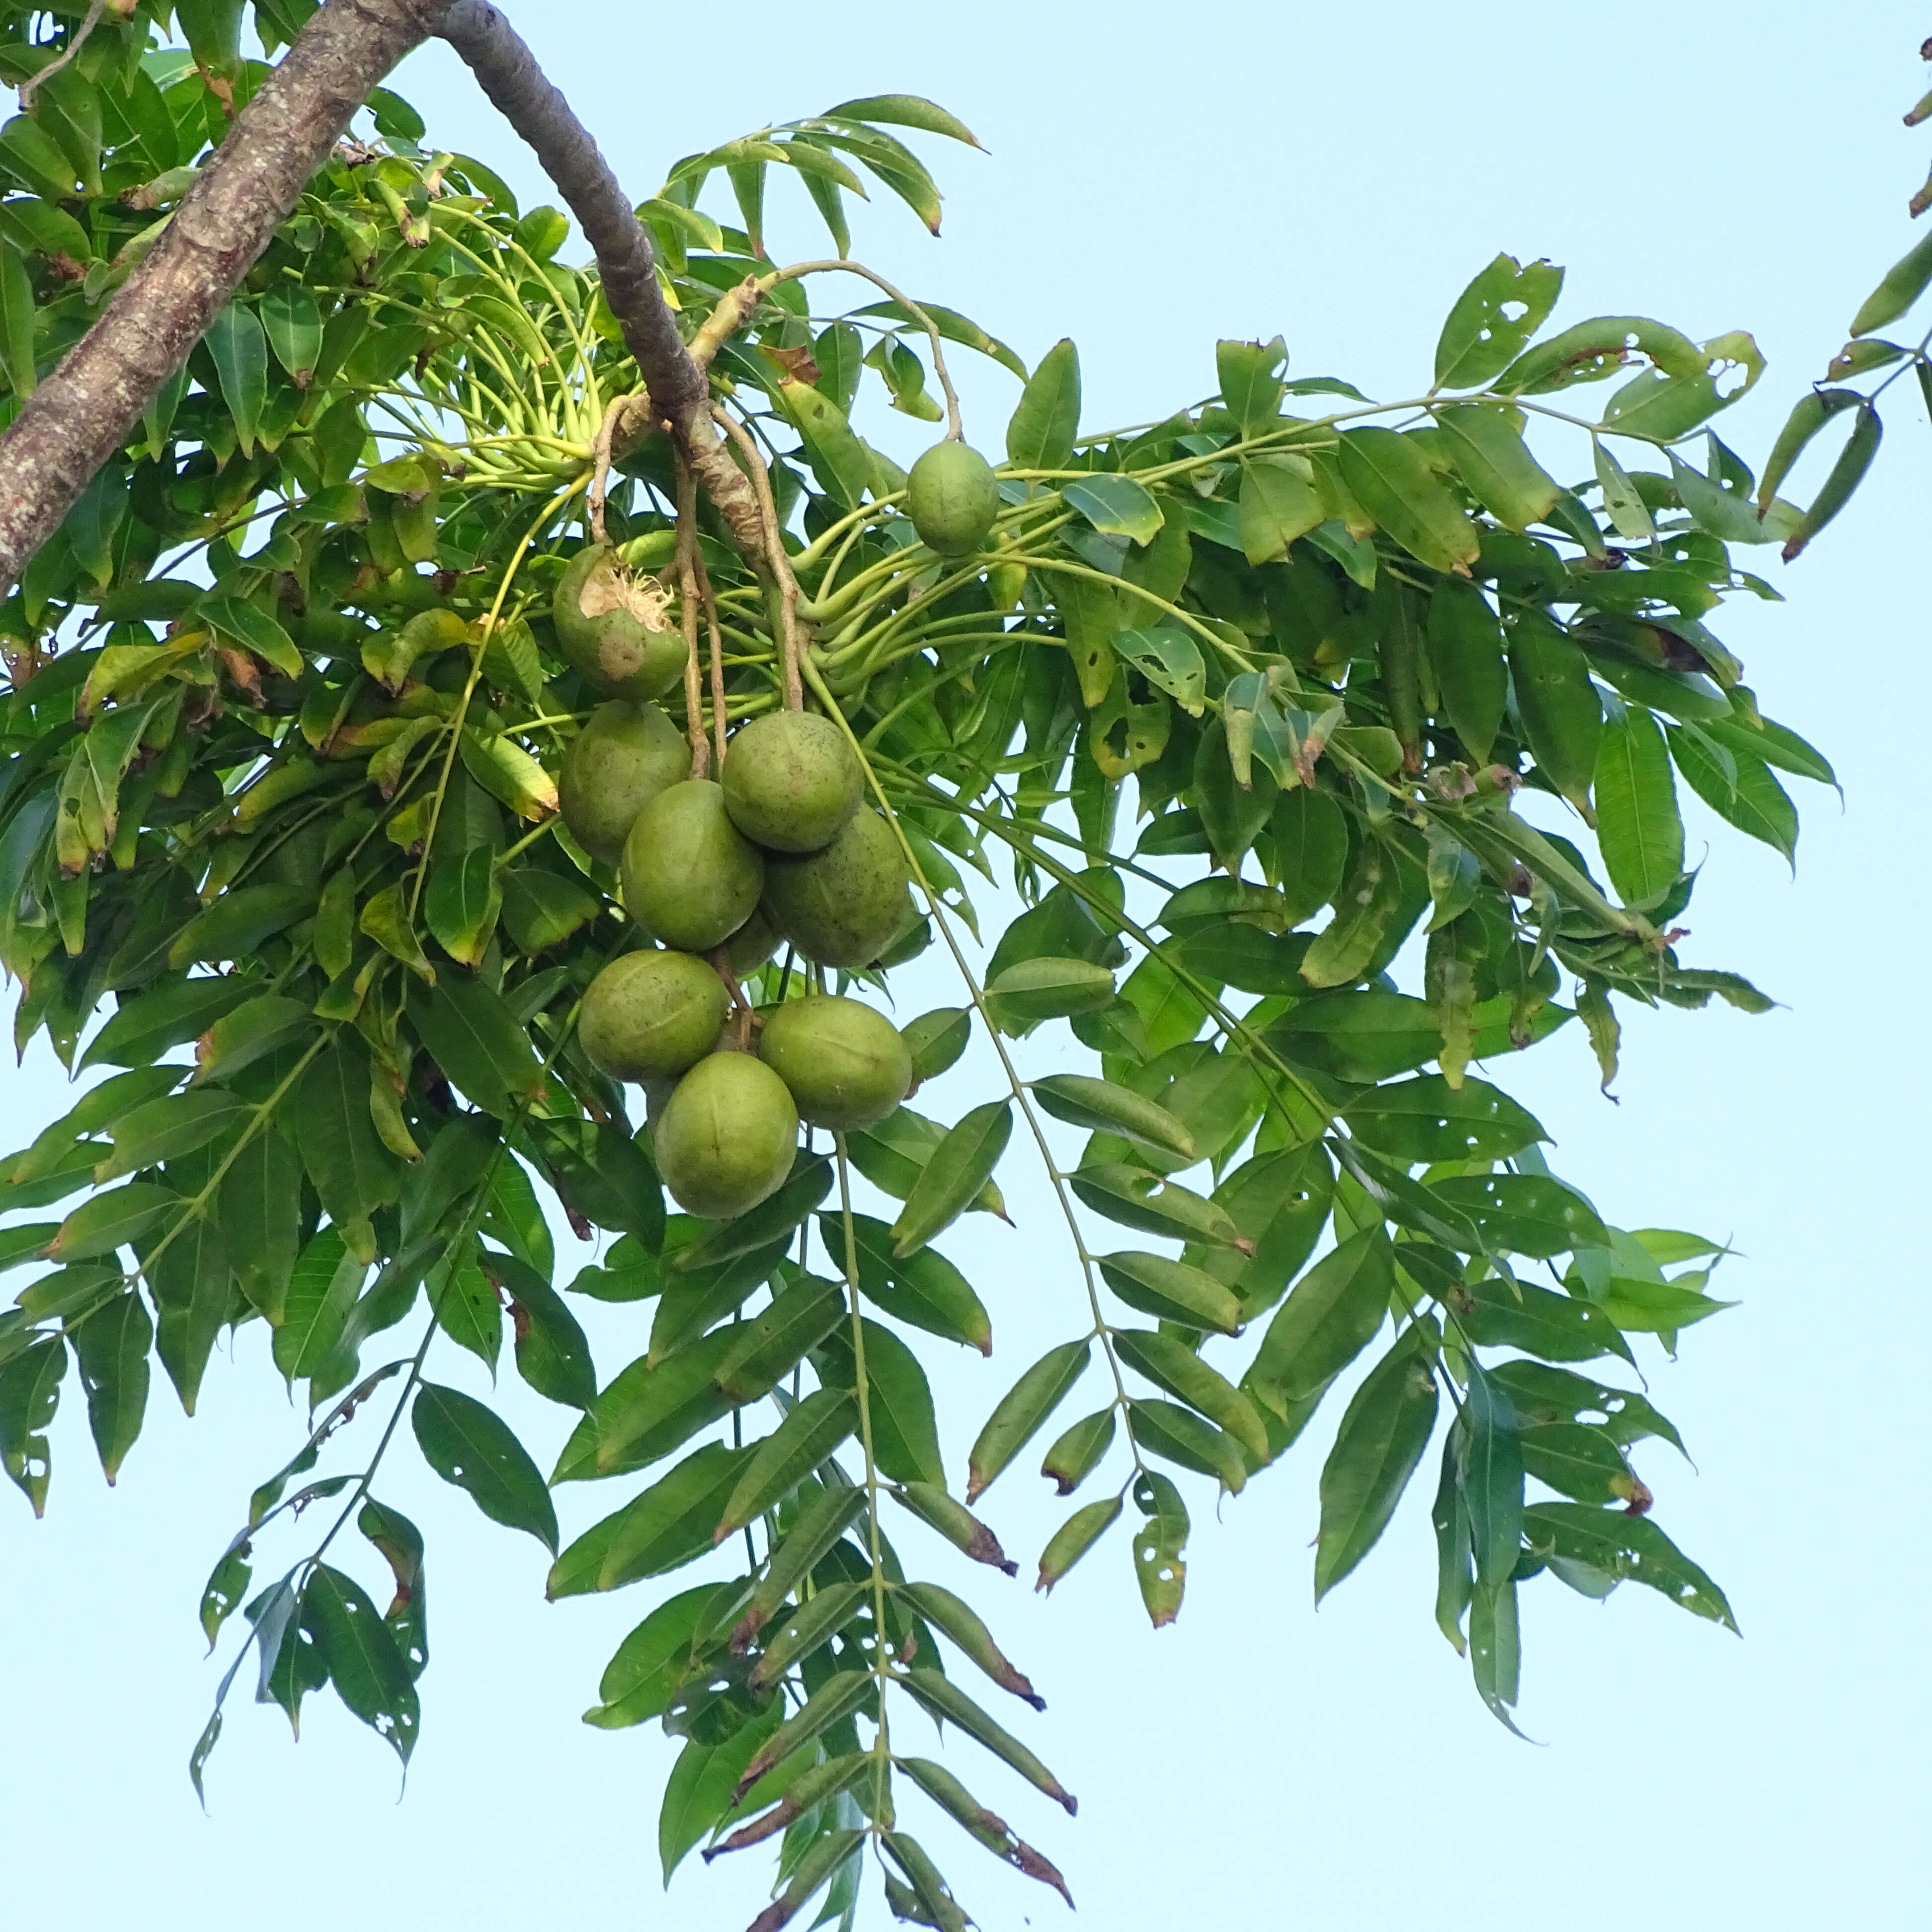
x=1158, y=177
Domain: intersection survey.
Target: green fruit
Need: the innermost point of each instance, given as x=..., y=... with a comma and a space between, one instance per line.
x=651, y=1015
x=726, y=1137
x=845, y=1064
x=621, y=759
x=841, y=905
x=691, y=877
x=613, y=627
x=791, y=781
x=954, y=497
x=754, y=943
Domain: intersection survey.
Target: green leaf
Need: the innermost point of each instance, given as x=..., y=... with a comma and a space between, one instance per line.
x=462, y=903
x=238, y=1040
x=1492, y=459
x=1530, y=1214
x=1158, y=1542
x=936, y=1039
x=1032, y=990
x=112, y=1346
x=1136, y=1198
x=352, y=1172
x=1171, y=1291
x=235, y=926
x=1495, y=1650
x=772, y=1346
x=1624, y=1546
x=29, y=1392
x=1503, y=1313
x=1625, y=507
x=1736, y=786
x=192, y=1283
x=1331, y=1316
x=1170, y=660
x=957, y=1620
x=1492, y=1479
x=1373, y=896
x=947, y=1702
x=1465, y=650
x=477, y=1042
x=814, y=1429
x=1542, y=1396
x=165, y=1129
x=1079, y=1449
x=652, y=1664
x=1018, y=1416
x=1279, y=503
x=105, y=1221
x=368, y=1670
x=260, y=1212
x=292, y=324
x=1388, y=474
x=905, y=1431
x=1562, y=714
x=838, y=458
x=1638, y=830
x=1171, y=1365
x=698, y=1794
x=467, y=1444
x=321, y=1291
x=924, y=1288
x=1425, y=1119
x=240, y=350
x=659, y=1530
x=254, y=630
x=1117, y=506
x=1076, y=1537
x=146, y=1025
x=1041, y=434
x=1455, y=1577
x=542, y=909
x=1481, y=337
x=1109, y=1108
x=1905, y=281
x=961, y=1165
x=16, y=324
x=553, y=1354
x=1384, y=1431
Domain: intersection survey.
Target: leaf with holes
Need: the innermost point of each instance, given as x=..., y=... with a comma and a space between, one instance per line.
x=469, y=1445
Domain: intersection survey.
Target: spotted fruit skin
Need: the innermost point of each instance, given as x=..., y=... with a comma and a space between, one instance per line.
x=650, y=1016
x=625, y=756
x=691, y=877
x=791, y=781
x=726, y=1137
x=844, y=1062
x=954, y=498
x=616, y=651
x=841, y=905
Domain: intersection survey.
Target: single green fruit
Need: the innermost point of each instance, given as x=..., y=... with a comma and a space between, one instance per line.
x=845, y=1064
x=649, y=1016
x=615, y=627
x=954, y=496
x=754, y=943
x=691, y=877
x=839, y=906
x=726, y=1136
x=621, y=759
x=791, y=781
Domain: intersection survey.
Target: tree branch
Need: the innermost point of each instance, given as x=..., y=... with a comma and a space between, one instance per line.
x=84, y=412
x=508, y=73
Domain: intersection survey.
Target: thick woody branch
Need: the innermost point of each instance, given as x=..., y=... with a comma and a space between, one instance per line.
x=85, y=410
x=507, y=71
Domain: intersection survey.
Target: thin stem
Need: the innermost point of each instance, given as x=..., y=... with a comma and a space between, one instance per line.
x=687, y=591
x=783, y=578
x=881, y=1745
x=953, y=430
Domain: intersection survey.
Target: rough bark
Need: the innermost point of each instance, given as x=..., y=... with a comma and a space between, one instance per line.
x=85, y=410
x=508, y=73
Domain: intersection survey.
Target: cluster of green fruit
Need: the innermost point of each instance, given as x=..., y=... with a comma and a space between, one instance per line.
x=716, y=873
